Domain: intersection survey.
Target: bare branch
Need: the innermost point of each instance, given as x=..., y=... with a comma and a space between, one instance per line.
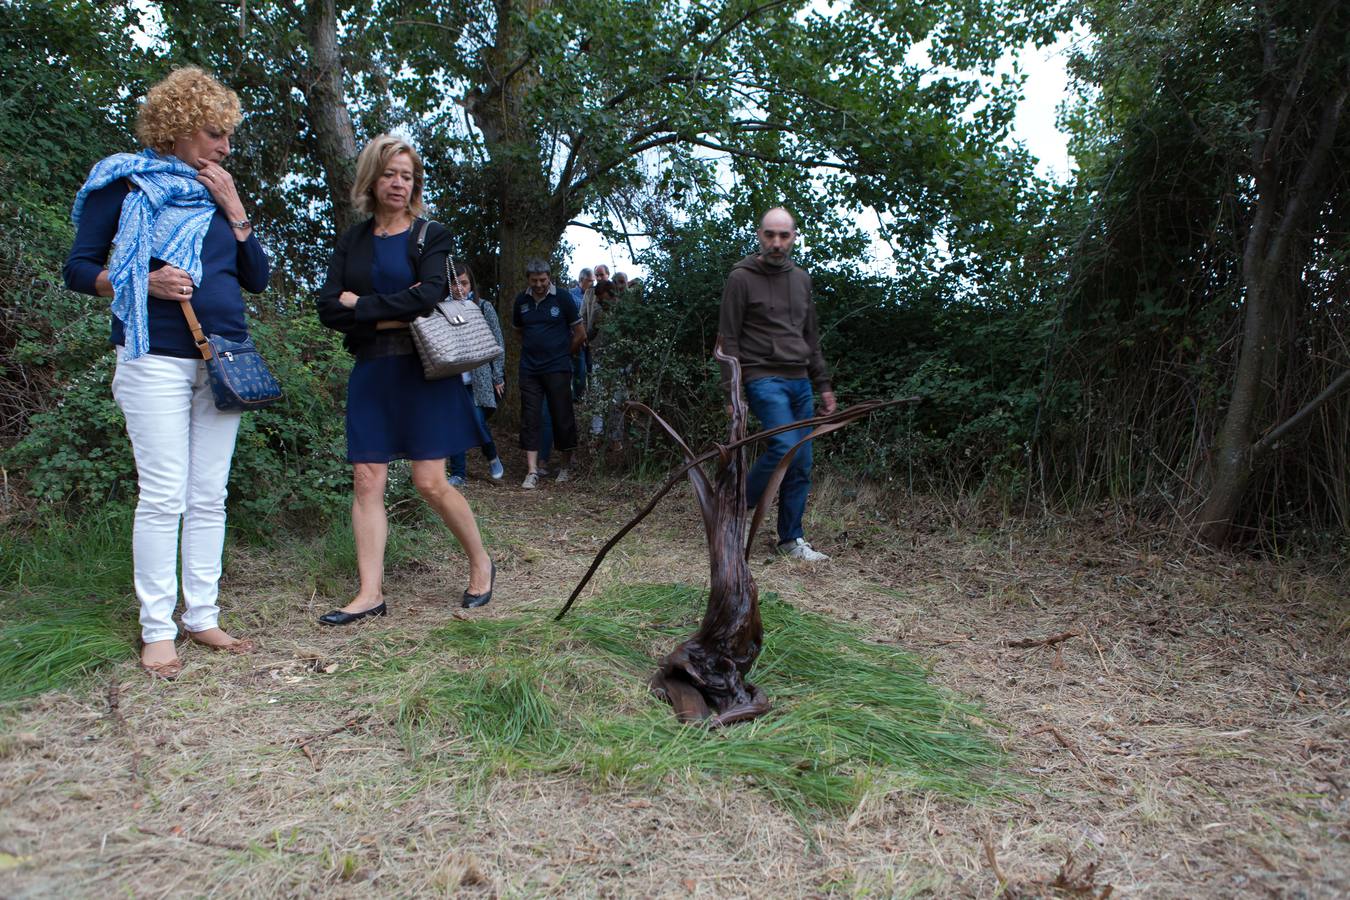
x=777, y=160
x=1277, y=434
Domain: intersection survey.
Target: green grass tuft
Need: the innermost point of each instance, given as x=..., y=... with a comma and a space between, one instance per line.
x=572, y=697
x=65, y=598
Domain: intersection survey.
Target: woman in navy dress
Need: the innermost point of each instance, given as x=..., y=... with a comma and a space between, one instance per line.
x=381, y=277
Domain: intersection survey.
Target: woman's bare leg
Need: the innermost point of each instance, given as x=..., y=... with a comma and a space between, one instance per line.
x=370, y=527
x=429, y=479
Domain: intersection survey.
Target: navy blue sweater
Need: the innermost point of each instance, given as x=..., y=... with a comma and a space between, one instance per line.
x=227, y=265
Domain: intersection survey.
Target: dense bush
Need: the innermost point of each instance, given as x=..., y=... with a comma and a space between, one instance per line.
x=289, y=463
x=974, y=365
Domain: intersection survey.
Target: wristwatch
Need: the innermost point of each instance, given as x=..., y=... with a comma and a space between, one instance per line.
x=240, y=225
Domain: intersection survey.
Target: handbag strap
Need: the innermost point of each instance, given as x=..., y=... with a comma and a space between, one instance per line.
x=422, y=237
x=203, y=345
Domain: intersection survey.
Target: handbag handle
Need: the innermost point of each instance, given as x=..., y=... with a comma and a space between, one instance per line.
x=198, y=338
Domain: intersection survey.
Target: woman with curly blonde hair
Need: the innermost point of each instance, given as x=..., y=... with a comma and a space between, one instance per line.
x=158, y=231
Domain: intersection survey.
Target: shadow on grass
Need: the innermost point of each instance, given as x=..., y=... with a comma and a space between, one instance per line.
x=572, y=697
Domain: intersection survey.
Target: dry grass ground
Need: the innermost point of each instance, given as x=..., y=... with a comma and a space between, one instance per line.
x=1189, y=739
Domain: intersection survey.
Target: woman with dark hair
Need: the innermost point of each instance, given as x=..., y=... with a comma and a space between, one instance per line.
x=386, y=271
x=485, y=384
x=157, y=230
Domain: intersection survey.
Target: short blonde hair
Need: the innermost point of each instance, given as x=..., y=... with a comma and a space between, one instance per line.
x=182, y=104
x=370, y=166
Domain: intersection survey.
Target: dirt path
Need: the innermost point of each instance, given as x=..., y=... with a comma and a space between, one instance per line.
x=1189, y=739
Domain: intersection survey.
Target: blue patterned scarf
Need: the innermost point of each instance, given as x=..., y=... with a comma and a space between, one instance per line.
x=167, y=219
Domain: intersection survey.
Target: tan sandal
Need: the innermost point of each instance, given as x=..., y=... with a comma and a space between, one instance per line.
x=167, y=671
x=239, y=646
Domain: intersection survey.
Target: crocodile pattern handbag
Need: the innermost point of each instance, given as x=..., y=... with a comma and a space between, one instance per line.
x=239, y=378
x=452, y=339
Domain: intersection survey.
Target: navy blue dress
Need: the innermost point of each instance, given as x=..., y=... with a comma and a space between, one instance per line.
x=392, y=411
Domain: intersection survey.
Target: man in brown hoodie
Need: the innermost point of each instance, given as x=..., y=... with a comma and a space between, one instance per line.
x=768, y=322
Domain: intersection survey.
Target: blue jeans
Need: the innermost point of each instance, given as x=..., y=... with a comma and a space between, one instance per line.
x=775, y=402
x=459, y=461
x=581, y=371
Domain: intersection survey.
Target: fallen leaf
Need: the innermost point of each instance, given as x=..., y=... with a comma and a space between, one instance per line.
x=10, y=861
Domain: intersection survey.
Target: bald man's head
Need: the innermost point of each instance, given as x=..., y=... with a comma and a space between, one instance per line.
x=777, y=234
x=779, y=217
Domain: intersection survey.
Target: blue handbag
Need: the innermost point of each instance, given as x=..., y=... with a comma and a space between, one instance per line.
x=239, y=378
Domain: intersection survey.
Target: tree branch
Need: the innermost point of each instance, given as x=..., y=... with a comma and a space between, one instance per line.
x=1298, y=205
x=633, y=151
x=717, y=38
x=777, y=160
x=1277, y=434
x=1290, y=99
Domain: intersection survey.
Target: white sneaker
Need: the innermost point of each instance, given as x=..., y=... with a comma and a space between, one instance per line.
x=531, y=481
x=563, y=475
x=800, y=549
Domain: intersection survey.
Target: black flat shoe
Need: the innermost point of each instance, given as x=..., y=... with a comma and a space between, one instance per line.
x=338, y=617
x=472, y=600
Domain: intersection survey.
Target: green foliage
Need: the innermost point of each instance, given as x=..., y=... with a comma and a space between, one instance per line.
x=290, y=463
x=290, y=460
x=572, y=697
x=973, y=358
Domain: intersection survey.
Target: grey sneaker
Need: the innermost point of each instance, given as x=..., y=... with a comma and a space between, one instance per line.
x=563, y=475
x=496, y=470
x=457, y=480
x=531, y=481
x=800, y=549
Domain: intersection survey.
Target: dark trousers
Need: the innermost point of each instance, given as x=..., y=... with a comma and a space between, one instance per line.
x=459, y=462
x=555, y=388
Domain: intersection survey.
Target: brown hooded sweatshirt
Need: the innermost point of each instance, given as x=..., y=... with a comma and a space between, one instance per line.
x=768, y=321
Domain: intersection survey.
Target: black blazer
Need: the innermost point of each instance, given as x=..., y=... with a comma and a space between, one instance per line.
x=349, y=270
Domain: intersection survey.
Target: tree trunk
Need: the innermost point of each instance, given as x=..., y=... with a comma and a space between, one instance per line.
x=1288, y=163
x=326, y=110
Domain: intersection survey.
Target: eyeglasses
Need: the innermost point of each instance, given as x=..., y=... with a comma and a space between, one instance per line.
x=769, y=233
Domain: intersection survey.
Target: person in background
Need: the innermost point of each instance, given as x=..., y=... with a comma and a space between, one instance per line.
x=156, y=230
x=581, y=361
x=485, y=384
x=620, y=283
x=768, y=322
x=550, y=332
x=378, y=281
x=593, y=320
x=585, y=279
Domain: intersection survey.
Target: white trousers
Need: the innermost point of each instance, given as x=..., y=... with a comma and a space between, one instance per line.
x=183, y=446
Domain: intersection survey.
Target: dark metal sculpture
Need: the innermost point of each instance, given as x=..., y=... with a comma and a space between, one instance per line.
x=705, y=677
